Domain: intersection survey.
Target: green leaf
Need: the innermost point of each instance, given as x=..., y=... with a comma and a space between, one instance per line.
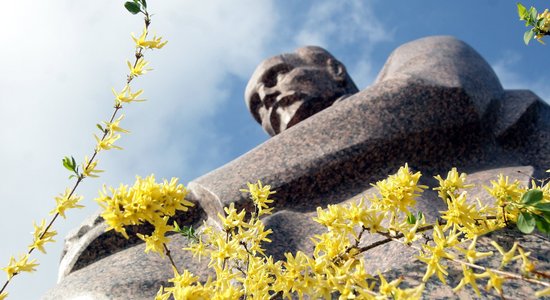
x=528, y=36
x=542, y=207
x=66, y=163
x=522, y=11
x=100, y=127
x=531, y=197
x=542, y=225
x=69, y=163
x=189, y=230
x=132, y=7
x=533, y=12
x=411, y=219
x=546, y=216
x=144, y=3
x=420, y=215
x=526, y=222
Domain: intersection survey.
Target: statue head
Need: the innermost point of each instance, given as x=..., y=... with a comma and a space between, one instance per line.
x=288, y=88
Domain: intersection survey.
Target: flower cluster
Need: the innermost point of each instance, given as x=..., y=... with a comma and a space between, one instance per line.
x=236, y=255
x=145, y=202
x=545, y=23
x=21, y=265
x=244, y=271
x=336, y=267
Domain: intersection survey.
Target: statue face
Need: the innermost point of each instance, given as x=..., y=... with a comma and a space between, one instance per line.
x=291, y=87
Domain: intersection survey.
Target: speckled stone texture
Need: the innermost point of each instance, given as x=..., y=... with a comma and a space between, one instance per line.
x=436, y=104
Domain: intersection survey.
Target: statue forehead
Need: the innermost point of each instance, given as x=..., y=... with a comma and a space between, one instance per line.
x=310, y=55
x=286, y=58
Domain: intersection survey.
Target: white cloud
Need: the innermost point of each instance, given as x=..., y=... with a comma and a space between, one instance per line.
x=341, y=22
x=343, y=25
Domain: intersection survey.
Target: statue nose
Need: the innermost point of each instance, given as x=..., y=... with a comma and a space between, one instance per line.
x=270, y=99
x=268, y=96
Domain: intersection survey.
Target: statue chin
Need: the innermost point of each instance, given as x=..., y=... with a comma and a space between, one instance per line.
x=310, y=107
x=282, y=118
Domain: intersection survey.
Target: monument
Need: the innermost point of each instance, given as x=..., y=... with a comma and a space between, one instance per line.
x=436, y=104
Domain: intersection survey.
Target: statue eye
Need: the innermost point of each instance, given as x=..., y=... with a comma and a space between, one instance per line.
x=269, y=79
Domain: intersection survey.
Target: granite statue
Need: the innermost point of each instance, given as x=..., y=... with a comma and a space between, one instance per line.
x=436, y=104
x=291, y=87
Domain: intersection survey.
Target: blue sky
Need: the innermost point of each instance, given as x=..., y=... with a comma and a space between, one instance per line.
x=60, y=59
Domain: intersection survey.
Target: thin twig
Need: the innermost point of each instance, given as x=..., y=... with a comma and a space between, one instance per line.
x=168, y=253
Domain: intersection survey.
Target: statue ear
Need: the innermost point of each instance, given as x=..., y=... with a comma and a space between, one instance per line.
x=337, y=70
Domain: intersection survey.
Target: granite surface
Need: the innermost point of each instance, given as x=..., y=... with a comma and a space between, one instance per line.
x=436, y=104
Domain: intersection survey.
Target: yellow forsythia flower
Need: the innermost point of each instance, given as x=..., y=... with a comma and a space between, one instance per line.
x=433, y=254
x=115, y=127
x=527, y=265
x=461, y=214
x=157, y=239
x=260, y=196
x=503, y=190
x=507, y=257
x=154, y=43
x=126, y=96
x=3, y=296
x=108, y=142
x=139, y=68
x=22, y=265
x=542, y=293
x=469, y=278
x=471, y=254
x=388, y=288
x=546, y=24
x=161, y=295
x=399, y=191
x=410, y=293
x=64, y=202
x=38, y=242
x=198, y=249
x=331, y=217
x=451, y=184
x=89, y=169
x=232, y=218
x=495, y=281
